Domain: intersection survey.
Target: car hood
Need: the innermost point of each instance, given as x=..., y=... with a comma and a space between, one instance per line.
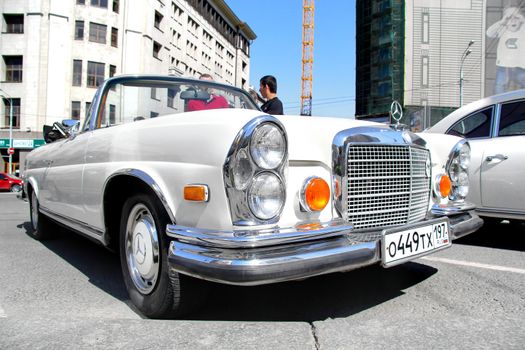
x=203, y=137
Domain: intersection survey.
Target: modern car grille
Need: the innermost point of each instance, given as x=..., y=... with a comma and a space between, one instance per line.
x=387, y=185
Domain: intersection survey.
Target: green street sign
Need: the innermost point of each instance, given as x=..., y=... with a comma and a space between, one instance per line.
x=22, y=143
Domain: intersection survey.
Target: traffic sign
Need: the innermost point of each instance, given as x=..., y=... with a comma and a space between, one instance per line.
x=10, y=150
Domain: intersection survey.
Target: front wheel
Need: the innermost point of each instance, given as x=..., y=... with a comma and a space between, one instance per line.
x=155, y=290
x=41, y=226
x=15, y=188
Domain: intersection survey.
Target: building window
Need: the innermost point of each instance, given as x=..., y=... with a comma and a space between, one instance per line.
x=158, y=19
x=112, y=114
x=114, y=37
x=95, y=74
x=75, y=110
x=116, y=6
x=81, y=2
x=97, y=33
x=14, y=24
x=100, y=3
x=153, y=94
x=153, y=114
x=16, y=111
x=79, y=30
x=112, y=72
x=425, y=28
x=171, y=97
x=424, y=71
x=13, y=68
x=77, y=73
x=156, y=49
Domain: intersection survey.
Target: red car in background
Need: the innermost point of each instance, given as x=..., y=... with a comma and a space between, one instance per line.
x=10, y=183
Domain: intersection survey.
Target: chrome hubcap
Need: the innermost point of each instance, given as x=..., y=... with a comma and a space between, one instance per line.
x=142, y=248
x=34, y=211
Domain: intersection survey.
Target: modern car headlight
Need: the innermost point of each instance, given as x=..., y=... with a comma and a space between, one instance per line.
x=254, y=172
x=457, y=169
x=266, y=196
x=268, y=146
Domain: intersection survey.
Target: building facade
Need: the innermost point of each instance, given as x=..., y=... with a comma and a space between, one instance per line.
x=56, y=53
x=434, y=55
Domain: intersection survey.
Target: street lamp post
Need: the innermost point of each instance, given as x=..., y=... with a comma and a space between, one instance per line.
x=464, y=55
x=7, y=97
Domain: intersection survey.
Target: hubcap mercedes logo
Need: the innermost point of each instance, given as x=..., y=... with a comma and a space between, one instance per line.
x=396, y=111
x=140, y=249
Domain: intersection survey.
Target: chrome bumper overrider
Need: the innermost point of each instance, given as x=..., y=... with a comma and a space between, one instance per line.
x=268, y=256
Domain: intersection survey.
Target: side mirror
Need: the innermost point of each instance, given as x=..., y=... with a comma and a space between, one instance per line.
x=72, y=127
x=67, y=128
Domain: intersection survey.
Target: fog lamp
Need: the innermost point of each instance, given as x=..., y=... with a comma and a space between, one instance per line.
x=315, y=194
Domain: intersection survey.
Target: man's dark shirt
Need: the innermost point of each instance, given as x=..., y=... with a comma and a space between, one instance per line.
x=273, y=106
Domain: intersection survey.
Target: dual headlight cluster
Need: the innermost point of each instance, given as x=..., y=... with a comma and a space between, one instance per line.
x=456, y=184
x=254, y=172
x=457, y=169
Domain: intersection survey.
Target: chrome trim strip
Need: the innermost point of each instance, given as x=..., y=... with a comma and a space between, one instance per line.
x=271, y=264
x=141, y=175
x=76, y=225
x=500, y=211
x=240, y=238
x=451, y=208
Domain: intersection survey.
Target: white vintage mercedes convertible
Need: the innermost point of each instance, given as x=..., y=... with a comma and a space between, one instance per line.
x=188, y=180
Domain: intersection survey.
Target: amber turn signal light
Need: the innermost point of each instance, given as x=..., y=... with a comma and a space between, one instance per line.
x=196, y=193
x=315, y=194
x=445, y=185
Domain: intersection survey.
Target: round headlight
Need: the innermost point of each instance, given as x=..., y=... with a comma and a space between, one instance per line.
x=268, y=146
x=464, y=156
x=458, y=171
x=460, y=188
x=266, y=196
x=242, y=170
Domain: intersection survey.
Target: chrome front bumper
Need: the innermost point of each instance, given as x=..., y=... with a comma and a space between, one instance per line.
x=243, y=258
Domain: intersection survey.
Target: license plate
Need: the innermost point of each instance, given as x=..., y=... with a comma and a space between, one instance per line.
x=400, y=245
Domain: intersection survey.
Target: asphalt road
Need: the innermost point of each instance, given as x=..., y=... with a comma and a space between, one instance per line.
x=68, y=293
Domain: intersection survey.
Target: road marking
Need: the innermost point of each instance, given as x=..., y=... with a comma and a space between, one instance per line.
x=2, y=313
x=473, y=264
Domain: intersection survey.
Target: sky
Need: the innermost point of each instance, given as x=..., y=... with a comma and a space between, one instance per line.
x=277, y=51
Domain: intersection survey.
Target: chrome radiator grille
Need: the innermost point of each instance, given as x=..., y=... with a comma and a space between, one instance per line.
x=387, y=185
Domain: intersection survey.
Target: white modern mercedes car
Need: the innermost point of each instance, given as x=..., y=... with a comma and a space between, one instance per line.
x=495, y=129
x=189, y=181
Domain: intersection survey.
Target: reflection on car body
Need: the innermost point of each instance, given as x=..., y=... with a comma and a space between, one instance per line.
x=236, y=196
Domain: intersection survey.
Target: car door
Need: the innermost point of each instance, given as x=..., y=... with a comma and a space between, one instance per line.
x=503, y=162
x=62, y=182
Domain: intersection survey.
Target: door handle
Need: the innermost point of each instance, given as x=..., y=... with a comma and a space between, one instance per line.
x=497, y=156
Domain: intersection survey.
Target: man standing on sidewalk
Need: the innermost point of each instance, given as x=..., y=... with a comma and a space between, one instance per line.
x=268, y=89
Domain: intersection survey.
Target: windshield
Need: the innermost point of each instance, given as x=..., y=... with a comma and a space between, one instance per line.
x=128, y=99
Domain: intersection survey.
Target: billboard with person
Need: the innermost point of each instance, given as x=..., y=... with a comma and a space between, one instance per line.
x=505, y=46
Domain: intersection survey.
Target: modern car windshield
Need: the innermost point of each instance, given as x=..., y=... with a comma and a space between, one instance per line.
x=130, y=100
